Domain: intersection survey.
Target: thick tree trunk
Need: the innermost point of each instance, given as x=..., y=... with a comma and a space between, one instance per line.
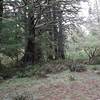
x=49, y=16
x=60, y=39
x=32, y=51
x=28, y=57
x=58, y=34
x=29, y=53
x=50, y=55
x=55, y=32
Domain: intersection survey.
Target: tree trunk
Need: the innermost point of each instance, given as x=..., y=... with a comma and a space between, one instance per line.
x=32, y=51
x=28, y=57
x=55, y=32
x=58, y=34
x=1, y=13
x=50, y=55
x=60, y=38
x=49, y=16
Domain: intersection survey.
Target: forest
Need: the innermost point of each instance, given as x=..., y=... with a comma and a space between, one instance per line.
x=49, y=50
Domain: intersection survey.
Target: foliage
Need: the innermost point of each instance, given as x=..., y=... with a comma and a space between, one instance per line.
x=29, y=71
x=80, y=54
x=7, y=72
x=23, y=96
x=97, y=72
x=77, y=67
x=94, y=68
x=71, y=78
x=10, y=39
x=96, y=60
x=38, y=32
x=92, y=53
x=20, y=98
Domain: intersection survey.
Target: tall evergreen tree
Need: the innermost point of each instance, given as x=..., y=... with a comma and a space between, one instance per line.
x=1, y=13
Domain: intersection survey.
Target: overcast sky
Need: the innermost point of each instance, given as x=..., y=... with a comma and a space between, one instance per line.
x=85, y=10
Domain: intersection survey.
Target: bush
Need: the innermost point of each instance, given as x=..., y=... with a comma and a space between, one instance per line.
x=72, y=78
x=19, y=97
x=20, y=75
x=97, y=72
x=23, y=96
x=77, y=68
x=29, y=71
x=96, y=60
x=6, y=72
x=94, y=68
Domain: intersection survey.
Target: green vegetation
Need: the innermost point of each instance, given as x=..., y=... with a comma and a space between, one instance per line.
x=49, y=42
x=71, y=78
x=41, y=37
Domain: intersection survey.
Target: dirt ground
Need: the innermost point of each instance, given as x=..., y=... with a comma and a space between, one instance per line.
x=86, y=86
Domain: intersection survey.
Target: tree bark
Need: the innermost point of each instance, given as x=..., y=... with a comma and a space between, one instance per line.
x=32, y=51
x=1, y=13
x=28, y=57
x=60, y=38
x=55, y=32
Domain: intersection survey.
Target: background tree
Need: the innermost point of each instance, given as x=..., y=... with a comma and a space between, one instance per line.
x=36, y=29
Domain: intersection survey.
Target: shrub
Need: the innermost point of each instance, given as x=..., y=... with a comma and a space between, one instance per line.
x=29, y=71
x=77, y=68
x=20, y=75
x=72, y=78
x=24, y=96
x=96, y=60
x=94, y=68
x=19, y=97
x=7, y=72
x=97, y=72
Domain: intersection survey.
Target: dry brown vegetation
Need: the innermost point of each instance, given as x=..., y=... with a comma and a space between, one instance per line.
x=86, y=86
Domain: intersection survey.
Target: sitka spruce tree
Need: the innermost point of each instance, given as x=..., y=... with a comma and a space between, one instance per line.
x=44, y=16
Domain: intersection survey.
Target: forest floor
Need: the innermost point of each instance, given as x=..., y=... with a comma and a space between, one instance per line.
x=86, y=86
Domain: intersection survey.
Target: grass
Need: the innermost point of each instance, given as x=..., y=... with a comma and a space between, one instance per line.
x=94, y=67
x=77, y=55
x=33, y=81
x=53, y=84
